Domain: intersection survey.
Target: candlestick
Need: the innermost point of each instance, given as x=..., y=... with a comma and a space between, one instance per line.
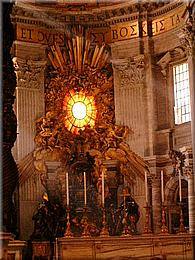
x=85, y=189
x=104, y=232
x=162, y=187
x=146, y=187
x=147, y=229
x=181, y=226
x=85, y=224
x=164, y=228
x=68, y=233
x=56, y=251
x=126, y=229
x=103, y=199
x=180, y=197
x=67, y=190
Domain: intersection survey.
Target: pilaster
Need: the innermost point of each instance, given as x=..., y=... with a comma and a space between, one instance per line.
x=151, y=95
x=29, y=101
x=129, y=84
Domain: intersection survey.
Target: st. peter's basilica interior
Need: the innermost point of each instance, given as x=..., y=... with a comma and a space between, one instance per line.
x=98, y=156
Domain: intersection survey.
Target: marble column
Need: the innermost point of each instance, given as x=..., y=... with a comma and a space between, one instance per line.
x=29, y=102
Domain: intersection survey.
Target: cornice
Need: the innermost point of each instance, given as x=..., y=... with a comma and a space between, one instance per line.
x=98, y=18
x=166, y=9
x=20, y=15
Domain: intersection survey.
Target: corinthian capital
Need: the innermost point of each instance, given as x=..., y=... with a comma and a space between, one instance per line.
x=29, y=73
x=131, y=71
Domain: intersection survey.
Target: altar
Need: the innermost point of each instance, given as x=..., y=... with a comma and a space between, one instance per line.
x=133, y=247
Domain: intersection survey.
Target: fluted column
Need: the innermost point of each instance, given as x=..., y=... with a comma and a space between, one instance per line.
x=29, y=102
x=129, y=83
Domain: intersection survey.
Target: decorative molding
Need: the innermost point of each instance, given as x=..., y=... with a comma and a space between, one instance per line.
x=29, y=73
x=24, y=15
x=165, y=9
x=45, y=26
x=131, y=72
x=99, y=17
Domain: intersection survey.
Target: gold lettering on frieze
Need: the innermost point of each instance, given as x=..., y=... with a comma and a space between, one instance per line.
x=100, y=35
x=36, y=35
x=117, y=32
x=128, y=30
x=124, y=31
x=167, y=22
x=144, y=28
